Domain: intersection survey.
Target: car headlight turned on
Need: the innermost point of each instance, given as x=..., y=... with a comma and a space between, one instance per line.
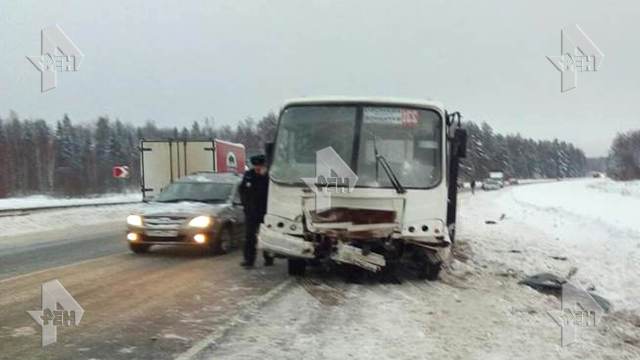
x=134, y=220
x=201, y=222
x=200, y=238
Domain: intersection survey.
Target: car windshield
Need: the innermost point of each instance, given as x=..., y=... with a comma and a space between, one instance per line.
x=408, y=138
x=196, y=191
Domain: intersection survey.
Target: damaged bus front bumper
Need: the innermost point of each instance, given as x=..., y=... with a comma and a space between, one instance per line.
x=295, y=246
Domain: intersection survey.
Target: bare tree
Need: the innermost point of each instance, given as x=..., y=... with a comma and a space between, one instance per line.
x=624, y=156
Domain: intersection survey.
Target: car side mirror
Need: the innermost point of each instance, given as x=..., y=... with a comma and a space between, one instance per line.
x=236, y=202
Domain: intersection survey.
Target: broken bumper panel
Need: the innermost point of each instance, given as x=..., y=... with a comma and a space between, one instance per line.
x=284, y=244
x=294, y=246
x=352, y=255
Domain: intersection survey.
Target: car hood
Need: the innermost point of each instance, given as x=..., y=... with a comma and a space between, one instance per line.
x=184, y=209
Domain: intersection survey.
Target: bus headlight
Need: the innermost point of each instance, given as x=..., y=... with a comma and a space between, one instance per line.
x=134, y=220
x=201, y=222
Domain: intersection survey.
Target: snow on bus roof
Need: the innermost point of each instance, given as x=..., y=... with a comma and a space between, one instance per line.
x=373, y=100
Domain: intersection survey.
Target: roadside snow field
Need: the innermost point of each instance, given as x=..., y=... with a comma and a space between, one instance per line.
x=43, y=200
x=625, y=188
x=590, y=224
x=45, y=222
x=616, y=204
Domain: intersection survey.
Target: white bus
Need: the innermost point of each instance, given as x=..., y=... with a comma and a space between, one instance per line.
x=368, y=182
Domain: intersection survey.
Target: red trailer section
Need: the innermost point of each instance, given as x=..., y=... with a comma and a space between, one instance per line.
x=230, y=157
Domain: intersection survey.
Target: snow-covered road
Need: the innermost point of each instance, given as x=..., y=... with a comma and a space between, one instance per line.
x=478, y=310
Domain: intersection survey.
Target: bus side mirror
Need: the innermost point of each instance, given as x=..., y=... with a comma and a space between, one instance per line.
x=460, y=139
x=268, y=151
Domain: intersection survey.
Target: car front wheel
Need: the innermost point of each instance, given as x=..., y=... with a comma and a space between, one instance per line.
x=222, y=243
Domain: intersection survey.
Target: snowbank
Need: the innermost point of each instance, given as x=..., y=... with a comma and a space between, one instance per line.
x=614, y=203
x=43, y=200
x=43, y=223
x=624, y=188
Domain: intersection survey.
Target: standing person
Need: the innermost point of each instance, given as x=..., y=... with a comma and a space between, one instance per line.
x=253, y=192
x=473, y=186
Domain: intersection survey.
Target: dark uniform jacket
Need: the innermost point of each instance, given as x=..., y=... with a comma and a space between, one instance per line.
x=253, y=192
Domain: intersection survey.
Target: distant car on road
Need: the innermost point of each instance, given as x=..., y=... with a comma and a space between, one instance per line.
x=498, y=176
x=492, y=184
x=198, y=210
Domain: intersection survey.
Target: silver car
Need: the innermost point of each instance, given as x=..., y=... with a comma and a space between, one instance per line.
x=201, y=210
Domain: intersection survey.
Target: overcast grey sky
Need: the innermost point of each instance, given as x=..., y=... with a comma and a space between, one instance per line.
x=176, y=62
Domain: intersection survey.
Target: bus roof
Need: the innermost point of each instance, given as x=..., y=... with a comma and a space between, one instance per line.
x=370, y=100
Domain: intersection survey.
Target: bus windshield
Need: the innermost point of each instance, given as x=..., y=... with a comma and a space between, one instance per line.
x=410, y=139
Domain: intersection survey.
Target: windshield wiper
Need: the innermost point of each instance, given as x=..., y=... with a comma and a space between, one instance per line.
x=387, y=169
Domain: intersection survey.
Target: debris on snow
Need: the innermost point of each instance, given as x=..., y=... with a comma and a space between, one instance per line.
x=545, y=283
x=493, y=222
x=561, y=258
x=551, y=284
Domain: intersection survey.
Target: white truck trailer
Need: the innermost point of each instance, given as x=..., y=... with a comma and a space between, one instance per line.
x=367, y=182
x=163, y=161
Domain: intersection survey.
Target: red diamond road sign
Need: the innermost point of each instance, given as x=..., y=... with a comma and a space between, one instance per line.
x=120, y=172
